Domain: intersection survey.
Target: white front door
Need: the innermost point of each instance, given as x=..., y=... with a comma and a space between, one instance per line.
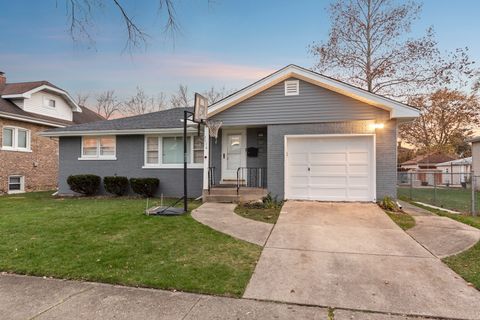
x=330, y=168
x=233, y=152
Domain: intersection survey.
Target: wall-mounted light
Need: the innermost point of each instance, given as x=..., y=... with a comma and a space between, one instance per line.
x=377, y=126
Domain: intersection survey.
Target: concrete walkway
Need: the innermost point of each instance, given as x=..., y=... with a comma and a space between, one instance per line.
x=220, y=216
x=353, y=256
x=414, y=210
x=441, y=236
x=24, y=297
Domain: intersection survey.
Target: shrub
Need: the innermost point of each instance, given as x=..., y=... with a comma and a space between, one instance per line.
x=116, y=185
x=87, y=184
x=270, y=202
x=388, y=204
x=144, y=186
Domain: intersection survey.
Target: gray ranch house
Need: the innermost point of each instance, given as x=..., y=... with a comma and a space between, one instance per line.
x=295, y=133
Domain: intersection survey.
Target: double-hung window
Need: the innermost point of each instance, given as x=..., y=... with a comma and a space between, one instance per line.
x=167, y=151
x=98, y=148
x=15, y=139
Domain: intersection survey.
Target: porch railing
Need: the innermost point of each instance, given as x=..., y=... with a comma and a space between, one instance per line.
x=251, y=177
x=211, y=178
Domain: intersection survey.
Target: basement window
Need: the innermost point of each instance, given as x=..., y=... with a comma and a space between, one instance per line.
x=16, y=184
x=292, y=87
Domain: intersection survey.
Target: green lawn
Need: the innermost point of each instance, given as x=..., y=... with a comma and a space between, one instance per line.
x=263, y=215
x=403, y=220
x=111, y=240
x=467, y=263
x=457, y=199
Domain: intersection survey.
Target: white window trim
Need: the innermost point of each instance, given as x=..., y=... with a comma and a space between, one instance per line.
x=97, y=156
x=22, y=184
x=160, y=165
x=292, y=82
x=14, y=146
x=46, y=104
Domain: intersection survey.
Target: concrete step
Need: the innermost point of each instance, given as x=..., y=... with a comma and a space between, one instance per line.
x=242, y=191
x=221, y=198
x=227, y=195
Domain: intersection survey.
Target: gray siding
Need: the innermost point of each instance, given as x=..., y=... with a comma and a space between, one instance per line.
x=130, y=159
x=386, y=152
x=313, y=104
x=260, y=142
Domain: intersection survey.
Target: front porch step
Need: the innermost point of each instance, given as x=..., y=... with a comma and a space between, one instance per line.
x=229, y=195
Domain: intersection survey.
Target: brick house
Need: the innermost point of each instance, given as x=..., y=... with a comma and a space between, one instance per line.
x=28, y=161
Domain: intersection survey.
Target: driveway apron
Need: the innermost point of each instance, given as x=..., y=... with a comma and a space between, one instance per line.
x=352, y=256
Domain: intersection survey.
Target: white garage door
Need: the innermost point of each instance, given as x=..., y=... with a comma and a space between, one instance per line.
x=330, y=168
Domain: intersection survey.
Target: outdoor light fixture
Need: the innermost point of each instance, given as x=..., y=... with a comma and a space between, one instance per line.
x=377, y=126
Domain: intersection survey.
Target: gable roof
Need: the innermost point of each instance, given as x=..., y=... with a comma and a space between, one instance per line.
x=458, y=162
x=432, y=158
x=396, y=109
x=159, y=121
x=24, y=90
x=11, y=111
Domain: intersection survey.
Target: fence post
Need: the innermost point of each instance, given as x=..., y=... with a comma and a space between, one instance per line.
x=434, y=188
x=411, y=184
x=474, y=185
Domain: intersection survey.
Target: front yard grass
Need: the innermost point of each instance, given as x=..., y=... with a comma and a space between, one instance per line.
x=457, y=199
x=403, y=220
x=111, y=240
x=260, y=214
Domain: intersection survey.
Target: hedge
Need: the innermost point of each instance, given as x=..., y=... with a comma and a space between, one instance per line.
x=116, y=185
x=144, y=186
x=87, y=184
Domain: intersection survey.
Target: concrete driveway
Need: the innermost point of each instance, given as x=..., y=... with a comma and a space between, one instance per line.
x=352, y=256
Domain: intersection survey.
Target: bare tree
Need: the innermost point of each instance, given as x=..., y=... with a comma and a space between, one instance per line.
x=368, y=46
x=181, y=98
x=82, y=98
x=81, y=20
x=141, y=103
x=213, y=94
x=447, y=120
x=108, y=104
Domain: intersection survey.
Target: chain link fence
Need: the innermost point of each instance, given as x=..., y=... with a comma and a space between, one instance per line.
x=454, y=191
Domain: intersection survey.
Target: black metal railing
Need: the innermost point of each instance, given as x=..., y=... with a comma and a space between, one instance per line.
x=211, y=178
x=251, y=177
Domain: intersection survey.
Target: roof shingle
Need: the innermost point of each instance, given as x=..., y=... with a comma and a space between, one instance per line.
x=171, y=118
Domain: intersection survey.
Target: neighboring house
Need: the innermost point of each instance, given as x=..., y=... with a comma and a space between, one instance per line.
x=476, y=159
x=299, y=134
x=423, y=169
x=30, y=162
x=426, y=161
x=455, y=172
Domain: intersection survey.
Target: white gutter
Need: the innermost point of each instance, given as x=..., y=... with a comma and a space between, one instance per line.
x=31, y=120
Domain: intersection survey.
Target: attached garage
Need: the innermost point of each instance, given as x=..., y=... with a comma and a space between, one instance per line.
x=330, y=167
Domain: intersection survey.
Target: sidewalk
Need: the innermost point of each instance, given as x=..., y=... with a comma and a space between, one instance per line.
x=25, y=297
x=441, y=236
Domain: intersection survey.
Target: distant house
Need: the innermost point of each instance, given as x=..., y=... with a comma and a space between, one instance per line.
x=423, y=169
x=29, y=161
x=295, y=134
x=455, y=172
x=426, y=161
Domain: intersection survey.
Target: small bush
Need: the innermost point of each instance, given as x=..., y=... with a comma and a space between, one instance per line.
x=254, y=205
x=388, y=204
x=87, y=184
x=145, y=187
x=270, y=202
x=116, y=185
